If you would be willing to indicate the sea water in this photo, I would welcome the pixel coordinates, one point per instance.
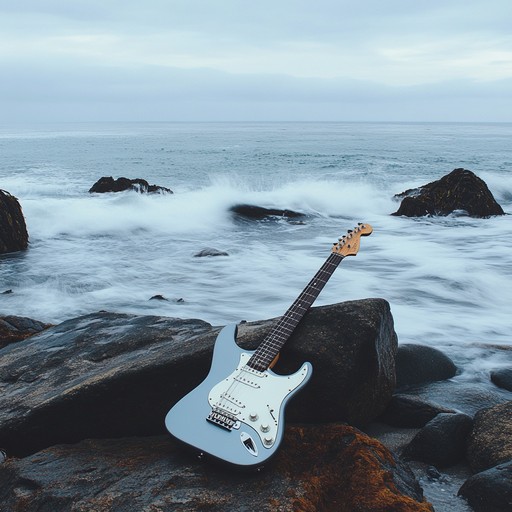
(448, 279)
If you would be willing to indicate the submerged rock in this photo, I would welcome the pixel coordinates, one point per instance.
(108, 184)
(13, 229)
(112, 375)
(250, 211)
(209, 251)
(321, 468)
(459, 190)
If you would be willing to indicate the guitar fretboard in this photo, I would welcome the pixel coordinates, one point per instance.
(274, 341)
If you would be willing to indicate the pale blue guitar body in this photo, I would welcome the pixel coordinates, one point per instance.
(236, 414)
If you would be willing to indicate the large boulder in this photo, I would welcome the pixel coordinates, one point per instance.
(13, 230)
(459, 190)
(490, 441)
(327, 468)
(112, 375)
(109, 184)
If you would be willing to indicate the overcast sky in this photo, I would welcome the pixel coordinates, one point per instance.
(222, 60)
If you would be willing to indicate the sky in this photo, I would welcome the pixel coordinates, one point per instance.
(265, 60)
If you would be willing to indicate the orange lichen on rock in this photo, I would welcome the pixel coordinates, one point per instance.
(341, 469)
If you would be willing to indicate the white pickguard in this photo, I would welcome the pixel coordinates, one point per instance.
(255, 398)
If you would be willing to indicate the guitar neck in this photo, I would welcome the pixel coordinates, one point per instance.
(274, 341)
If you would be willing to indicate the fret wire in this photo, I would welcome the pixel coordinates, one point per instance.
(271, 345)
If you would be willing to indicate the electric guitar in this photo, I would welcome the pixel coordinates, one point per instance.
(237, 413)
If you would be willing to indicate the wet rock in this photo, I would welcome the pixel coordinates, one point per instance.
(460, 190)
(250, 211)
(109, 184)
(442, 441)
(13, 230)
(502, 378)
(408, 411)
(490, 490)
(210, 252)
(158, 297)
(327, 468)
(17, 328)
(463, 396)
(112, 375)
(416, 364)
(490, 441)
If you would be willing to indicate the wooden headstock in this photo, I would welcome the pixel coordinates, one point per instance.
(348, 245)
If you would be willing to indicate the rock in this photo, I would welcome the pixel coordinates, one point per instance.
(327, 468)
(250, 211)
(210, 252)
(7, 292)
(461, 395)
(108, 184)
(490, 441)
(459, 190)
(442, 441)
(408, 411)
(502, 378)
(158, 297)
(16, 328)
(416, 364)
(490, 490)
(13, 230)
(112, 375)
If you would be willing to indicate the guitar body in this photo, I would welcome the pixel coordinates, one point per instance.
(237, 413)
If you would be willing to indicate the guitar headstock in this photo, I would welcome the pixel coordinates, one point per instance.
(348, 245)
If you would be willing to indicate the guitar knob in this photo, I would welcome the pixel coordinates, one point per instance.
(267, 440)
(265, 427)
(253, 416)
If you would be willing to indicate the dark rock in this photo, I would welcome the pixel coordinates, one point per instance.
(490, 441)
(210, 252)
(157, 297)
(490, 490)
(250, 211)
(463, 396)
(408, 411)
(108, 184)
(442, 441)
(327, 468)
(17, 328)
(13, 230)
(7, 292)
(459, 190)
(416, 364)
(113, 375)
(502, 378)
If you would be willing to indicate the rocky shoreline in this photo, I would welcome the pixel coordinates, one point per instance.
(83, 402)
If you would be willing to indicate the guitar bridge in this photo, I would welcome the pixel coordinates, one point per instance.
(221, 419)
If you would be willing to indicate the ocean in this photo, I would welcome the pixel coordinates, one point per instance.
(448, 279)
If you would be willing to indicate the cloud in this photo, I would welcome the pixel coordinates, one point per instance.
(287, 58)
